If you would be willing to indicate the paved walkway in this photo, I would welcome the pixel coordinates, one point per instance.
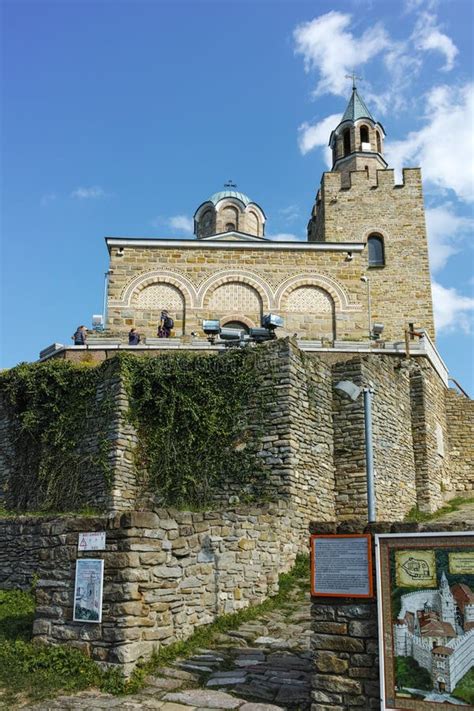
(264, 665)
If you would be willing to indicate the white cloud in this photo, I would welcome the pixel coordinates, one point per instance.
(93, 193)
(428, 36)
(285, 237)
(316, 135)
(47, 199)
(290, 213)
(183, 223)
(444, 147)
(445, 233)
(330, 49)
(452, 310)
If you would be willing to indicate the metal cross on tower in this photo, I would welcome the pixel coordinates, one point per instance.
(230, 184)
(353, 76)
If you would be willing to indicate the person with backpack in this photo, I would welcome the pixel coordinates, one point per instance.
(80, 336)
(165, 325)
(133, 337)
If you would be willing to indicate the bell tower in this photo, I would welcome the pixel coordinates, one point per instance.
(357, 141)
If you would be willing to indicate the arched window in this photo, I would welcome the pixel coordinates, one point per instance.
(230, 227)
(364, 134)
(379, 143)
(376, 251)
(346, 137)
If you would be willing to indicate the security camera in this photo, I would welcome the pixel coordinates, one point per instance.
(364, 278)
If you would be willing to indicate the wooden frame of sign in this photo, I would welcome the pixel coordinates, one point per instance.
(353, 576)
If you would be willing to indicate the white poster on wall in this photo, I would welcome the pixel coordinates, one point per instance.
(88, 590)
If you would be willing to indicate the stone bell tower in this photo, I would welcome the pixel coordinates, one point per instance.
(357, 141)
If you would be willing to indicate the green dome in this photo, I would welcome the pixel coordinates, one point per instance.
(230, 194)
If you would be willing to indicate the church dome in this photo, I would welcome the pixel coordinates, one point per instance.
(229, 211)
(223, 194)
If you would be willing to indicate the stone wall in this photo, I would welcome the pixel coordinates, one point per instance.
(106, 426)
(166, 572)
(430, 437)
(395, 474)
(460, 424)
(345, 633)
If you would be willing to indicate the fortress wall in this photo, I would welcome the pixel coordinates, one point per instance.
(430, 437)
(460, 423)
(105, 423)
(395, 479)
(165, 572)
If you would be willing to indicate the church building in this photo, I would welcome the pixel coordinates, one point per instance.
(362, 224)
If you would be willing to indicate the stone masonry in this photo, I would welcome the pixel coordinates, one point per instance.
(311, 440)
(166, 572)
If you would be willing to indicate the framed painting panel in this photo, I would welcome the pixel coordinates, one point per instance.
(425, 598)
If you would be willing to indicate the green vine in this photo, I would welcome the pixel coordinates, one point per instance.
(198, 420)
(53, 414)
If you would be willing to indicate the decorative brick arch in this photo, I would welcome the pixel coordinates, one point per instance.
(237, 276)
(179, 281)
(335, 290)
(237, 317)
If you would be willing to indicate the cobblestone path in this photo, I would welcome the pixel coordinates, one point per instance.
(264, 665)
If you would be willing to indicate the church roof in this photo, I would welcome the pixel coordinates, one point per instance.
(356, 108)
(230, 194)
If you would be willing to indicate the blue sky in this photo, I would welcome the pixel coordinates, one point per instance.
(120, 118)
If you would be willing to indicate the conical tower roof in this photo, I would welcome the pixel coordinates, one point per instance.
(356, 108)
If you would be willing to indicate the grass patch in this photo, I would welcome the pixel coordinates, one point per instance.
(35, 671)
(31, 671)
(465, 688)
(453, 505)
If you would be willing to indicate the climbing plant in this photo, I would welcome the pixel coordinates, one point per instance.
(52, 411)
(197, 419)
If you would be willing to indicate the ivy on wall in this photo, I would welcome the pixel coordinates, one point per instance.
(198, 420)
(53, 414)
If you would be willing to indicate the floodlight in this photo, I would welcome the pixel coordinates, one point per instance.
(272, 321)
(231, 334)
(348, 389)
(211, 327)
(258, 335)
(377, 329)
(97, 320)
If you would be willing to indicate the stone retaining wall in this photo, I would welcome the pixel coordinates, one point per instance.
(460, 419)
(166, 572)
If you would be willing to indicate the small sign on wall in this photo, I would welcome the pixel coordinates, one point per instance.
(341, 565)
(88, 590)
(94, 541)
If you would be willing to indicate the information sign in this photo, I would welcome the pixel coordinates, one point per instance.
(94, 541)
(341, 565)
(88, 590)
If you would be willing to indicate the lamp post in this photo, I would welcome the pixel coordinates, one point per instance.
(352, 391)
(366, 280)
(104, 308)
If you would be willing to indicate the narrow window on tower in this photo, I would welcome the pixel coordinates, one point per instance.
(346, 137)
(364, 136)
(376, 251)
(379, 144)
